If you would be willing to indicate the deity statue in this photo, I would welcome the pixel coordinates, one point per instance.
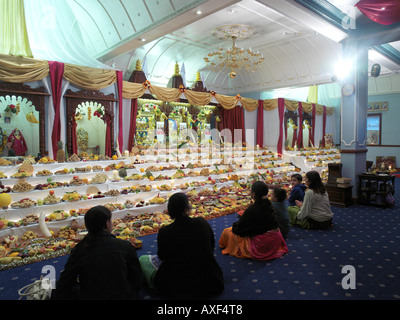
(17, 143)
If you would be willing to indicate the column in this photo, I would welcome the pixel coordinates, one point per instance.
(353, 142)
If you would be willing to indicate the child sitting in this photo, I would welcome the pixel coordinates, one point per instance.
(298, 189)
(278, 198)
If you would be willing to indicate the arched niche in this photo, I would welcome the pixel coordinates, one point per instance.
(30, 100)
(291, 127)
(74, 100)
(307, 127)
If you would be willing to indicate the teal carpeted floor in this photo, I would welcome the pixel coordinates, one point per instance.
(366, 238)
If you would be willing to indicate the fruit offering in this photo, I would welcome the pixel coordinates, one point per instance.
(71, 196)
(46, 160)
(44, 173)
(99, 178)
(58, 215)
(23, 203)
(51, 198)
(22, 187)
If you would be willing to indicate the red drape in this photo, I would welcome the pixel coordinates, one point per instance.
(233, 119)
(73, 137)
(311, 136)
(56, 77)
(132, 128)
(300, 125)
(260, 124)
(381, 11)
(281, 110)
(120, 116)
(323, 126)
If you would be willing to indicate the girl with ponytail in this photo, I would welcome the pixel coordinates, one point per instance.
(256, 234)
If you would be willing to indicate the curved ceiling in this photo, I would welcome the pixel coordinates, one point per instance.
(300, 47)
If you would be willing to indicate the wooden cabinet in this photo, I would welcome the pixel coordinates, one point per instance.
(374, 188)
(339, 196)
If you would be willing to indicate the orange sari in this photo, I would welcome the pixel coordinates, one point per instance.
(234, 245)
(266, 246)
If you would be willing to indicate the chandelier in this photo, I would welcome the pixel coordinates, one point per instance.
(233, 59)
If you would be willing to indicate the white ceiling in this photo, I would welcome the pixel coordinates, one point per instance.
(299, 46)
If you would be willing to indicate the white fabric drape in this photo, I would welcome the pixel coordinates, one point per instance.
(53, 32)
(250, 123)
(50, 115)
(271, 128)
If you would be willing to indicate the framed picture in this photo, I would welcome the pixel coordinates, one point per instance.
(386, 162)
(378, 106)
(374, 128)
(384, 106)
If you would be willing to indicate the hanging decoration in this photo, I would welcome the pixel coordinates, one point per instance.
(13, 108)
(234, 59)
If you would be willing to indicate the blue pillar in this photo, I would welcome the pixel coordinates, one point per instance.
(353, 142)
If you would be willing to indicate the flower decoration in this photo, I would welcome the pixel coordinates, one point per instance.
(147, 84)
(13, 108)
(89, 113)
(238, 97)
(99, 112)
(182, 88)
(213, 93)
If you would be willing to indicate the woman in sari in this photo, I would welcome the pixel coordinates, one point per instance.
(185, 266)
(256, 234)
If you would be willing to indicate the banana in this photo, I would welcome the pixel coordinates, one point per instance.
(31, 117)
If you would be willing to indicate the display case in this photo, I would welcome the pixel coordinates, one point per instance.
(374, 189)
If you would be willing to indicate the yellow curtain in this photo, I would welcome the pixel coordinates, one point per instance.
(13, 35)
(132, 90)
(249, 104)
(291, 105)
(198, 98)
(227, 102)
(313, 94)
(22, 69)
(165, 94)
(270, 104)
(89, 78)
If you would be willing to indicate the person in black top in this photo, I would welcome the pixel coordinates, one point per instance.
(259, 217)
(100, 266)
(185, 266)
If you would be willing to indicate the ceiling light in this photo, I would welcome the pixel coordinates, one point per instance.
(233, 11)
(199, 12)
(142, 39)
(233, 59)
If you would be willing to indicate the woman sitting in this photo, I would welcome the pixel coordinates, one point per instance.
(185, 266)
(256, 234)
(315, 212)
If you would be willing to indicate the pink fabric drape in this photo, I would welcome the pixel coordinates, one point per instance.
(132, 128)
(311, 136)
(260, 124)
(281, 110)
(267, 246)
(56, 77)
(233, 119)
(323, 125)
(120, 116)
(300, 125)
(380, 11)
